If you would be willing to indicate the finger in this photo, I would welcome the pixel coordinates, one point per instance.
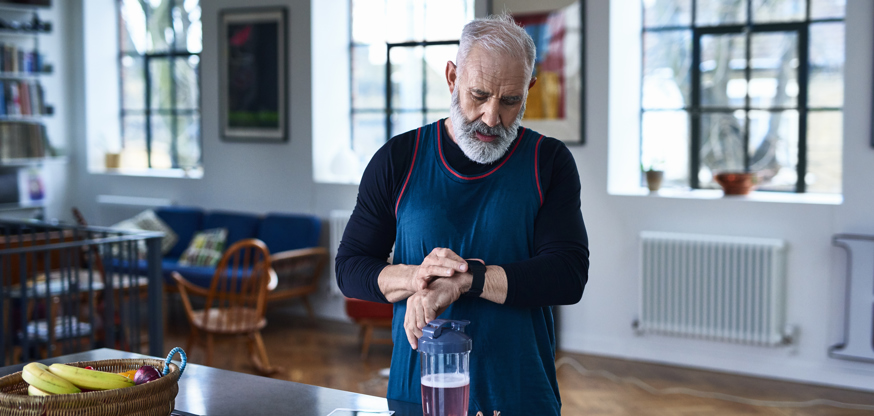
(453, 260)
(409, 324)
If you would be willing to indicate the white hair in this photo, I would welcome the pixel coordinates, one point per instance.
(497, 34)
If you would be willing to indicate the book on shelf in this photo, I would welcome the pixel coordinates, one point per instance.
(21, 140)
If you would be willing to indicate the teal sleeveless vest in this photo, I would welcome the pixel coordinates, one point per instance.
(491, 217)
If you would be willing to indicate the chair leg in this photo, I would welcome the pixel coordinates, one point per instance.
(365, 345)
(209, 345)
(193, 338)
(306, 303)
(258, 355)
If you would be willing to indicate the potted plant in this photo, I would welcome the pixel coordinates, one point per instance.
(654, 176)
(736, 183)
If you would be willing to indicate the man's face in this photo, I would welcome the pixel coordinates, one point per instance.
(488, 101)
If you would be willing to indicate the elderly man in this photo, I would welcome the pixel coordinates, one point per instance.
(485, 218)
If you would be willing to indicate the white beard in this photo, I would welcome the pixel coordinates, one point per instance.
(474, 148)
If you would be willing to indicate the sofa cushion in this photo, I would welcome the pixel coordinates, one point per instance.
(239, 225)
(206, 248)
(282, 232)
(148, 221)
(184, 221)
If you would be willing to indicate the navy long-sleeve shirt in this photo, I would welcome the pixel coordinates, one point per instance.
(557, 272)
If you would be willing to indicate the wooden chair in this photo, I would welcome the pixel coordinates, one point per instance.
(295, 273)
(369, 316)
(234, 302)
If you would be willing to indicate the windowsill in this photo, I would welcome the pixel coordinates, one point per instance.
(760, 196)
(152, 173)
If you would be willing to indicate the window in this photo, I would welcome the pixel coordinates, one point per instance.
(734, 85)
(418, 37)
(160, 43)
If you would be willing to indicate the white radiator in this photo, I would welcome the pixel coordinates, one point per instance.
(338, 220)
(714, 287)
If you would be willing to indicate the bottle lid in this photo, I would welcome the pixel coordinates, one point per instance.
(444, 336)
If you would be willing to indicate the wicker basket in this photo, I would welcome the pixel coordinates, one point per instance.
(150, 399)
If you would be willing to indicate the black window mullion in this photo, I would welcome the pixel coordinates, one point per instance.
(748, 76)
(388, 91)
(147, 66)
(174, 153)
(695, 113)
(803, 77)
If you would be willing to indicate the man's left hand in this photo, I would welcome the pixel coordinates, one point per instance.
(425, 305)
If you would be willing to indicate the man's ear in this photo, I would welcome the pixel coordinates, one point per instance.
(451, 75)
(531, 84)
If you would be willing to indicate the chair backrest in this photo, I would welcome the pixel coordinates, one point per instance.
(239, 287)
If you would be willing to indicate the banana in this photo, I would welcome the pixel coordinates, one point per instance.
(37, 375)
(33, 391)
(90, 379)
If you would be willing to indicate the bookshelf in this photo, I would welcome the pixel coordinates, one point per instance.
(24, 143)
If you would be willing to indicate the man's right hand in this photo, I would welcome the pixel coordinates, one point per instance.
(442, 262)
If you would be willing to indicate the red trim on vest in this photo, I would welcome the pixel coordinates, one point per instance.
(537, 169)
(410, 173)
(442, 159)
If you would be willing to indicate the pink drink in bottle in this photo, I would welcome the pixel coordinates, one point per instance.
(444, 354)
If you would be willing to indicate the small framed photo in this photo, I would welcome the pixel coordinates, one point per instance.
(252, 75)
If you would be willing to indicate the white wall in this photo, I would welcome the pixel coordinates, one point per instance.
(278, 177)
(601, 322)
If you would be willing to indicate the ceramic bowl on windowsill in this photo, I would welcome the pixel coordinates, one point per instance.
(736, 183)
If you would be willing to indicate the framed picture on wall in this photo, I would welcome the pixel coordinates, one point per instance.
(252, 75)
(556, 103)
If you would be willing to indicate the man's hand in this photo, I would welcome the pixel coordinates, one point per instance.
(442, 262)
(425, 305)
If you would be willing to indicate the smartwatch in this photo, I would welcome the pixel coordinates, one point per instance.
(478, 270)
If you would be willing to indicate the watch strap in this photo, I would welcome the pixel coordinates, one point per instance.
(478, 270)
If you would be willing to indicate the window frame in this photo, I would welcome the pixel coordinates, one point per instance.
(694, 109)
(171, 55)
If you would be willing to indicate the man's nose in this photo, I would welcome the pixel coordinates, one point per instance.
(491, 115)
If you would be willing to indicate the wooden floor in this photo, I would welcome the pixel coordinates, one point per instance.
(326, 354)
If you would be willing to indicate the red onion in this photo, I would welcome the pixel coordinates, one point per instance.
(146, 374)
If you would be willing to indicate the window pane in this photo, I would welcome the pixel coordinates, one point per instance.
(774, 149)
(822, 9)
(665, 145)
(134, 152)
(186, 25)
(444, 19)
(133, 27)
(188, 141)
(404, 122)
(667, 57)
(162, 129)
(405, 20)
(720, 12)
(133, 83)
(368, 77)
(824, 148)
(778, 10)
(160, 27)
(432, 116)
(368, 134)
(368, 21)
(667, 13)
(723, 80)
(774, 63)
(187, 89)
(826, 65)
(438, 97)
(722, 145)
(161, 83)
(406, 78)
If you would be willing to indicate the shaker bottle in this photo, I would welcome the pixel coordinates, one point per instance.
(444, 351)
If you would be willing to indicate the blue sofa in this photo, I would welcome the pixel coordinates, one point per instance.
(280, 232)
